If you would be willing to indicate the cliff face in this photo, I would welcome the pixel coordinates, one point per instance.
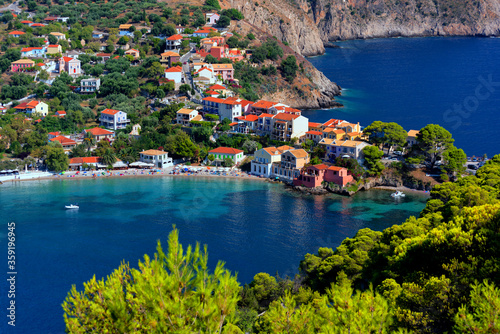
(306, 24)
(349, 19)
(284, 20)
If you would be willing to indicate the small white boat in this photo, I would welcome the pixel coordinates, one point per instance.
(72, 206)
(398, 194)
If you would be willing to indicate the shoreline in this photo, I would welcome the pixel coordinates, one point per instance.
(402, 188)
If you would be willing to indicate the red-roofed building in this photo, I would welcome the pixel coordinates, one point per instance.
(16, 33)
(60, 113)
(313, 176)
(100, 134)
(33, 52)
(70, 65)
(174, 74)
(229, 108)
(315, 126)
(314, 135)
(105, 56)
(66, 142)
(53, 49)
(212, 93)
(221, 153)
(52, 135)
(261, 107)
(38, 25)
(113, 119)
(133, 52)
(33, 107)
(77, 163)
(174, 42)
(27, 22)
(247, 124)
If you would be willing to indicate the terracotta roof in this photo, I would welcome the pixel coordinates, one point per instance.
(38, 25)
(197, 118)
(26, 21)
(53, 45)
(99, 132)
(222, 66)
(286, 117)
(175, 69)
(153, 152)
(57, 133)
(332, 122)
(57, 34)
(272, 150)
(413, 133)
(110, 111)
(131, 51)
(299, 153)
(61, 112)
(213, 99)
(185, 111)
(203, 68)
(266, 115)
(250, 118)
(211, 92)
(226, 150)
(285, 148)
(215, 87)
(23, 61)
(346, 143)
(84, 160)
(317, 133)
(64, 140)
(335, 168)
(16, 32)
(67, 59)
(314, 124)
(175, 37)
(233, 124)
(320, 166)
(170, 53)
(263, 104)
(103, 54)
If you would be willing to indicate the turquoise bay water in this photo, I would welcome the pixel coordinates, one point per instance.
(453, 82)
(252, 226)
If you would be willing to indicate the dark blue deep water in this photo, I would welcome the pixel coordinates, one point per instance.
(453, 82)
(253, 226)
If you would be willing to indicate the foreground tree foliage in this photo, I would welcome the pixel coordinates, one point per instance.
(172, 293)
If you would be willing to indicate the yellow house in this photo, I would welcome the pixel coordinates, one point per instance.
(332, 133)
(54, 49)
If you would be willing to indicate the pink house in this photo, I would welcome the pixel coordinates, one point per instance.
(21, 64)
(70, 65)
(226, 71)
(313, 176)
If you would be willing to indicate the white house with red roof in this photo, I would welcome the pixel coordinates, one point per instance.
(113, 119)
(206, 72)
(16, 33)
(247, 123)
(100, 134)
(52, 135)
(221, 153)
(283, 127)
(262, 107)
(133, 52)
(66, 142)
(174, 73)
(33, 107)
(3, 110)
(33, 52)
(263, 160)
(60, 113)
(314, 135)
(71, 65)
(173, 42)
(230, 107)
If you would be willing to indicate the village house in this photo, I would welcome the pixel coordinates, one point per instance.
(79, 163)
(105, 57)
(220, 89)
(33, 108)
(124, 30)
(283, 127)
(58, 35)
(313, 176)
(246, 124)
(70, 65)
(343, 148)
(16, 33)
(136, 131)
(225, 71)
(315, 126)
(174, 73)
(159, 158)
(412, 137)
(290, 164)
(221, 153)
(89, 86)
(212, 18)
(53, 49)
(204, 31)
(27, 22)
(37, 25)
(60, 113)
(21, 65)
(169, 57)
(331, 123)
(66, 142)
(198, 65)
(263, 107)
(113, 119)
(332, 133)
(263, 160)
(230, 108)
(206, 72)
(33, 52)
(315, 136)
(173, 42)
(133, 52)
(97, 34)
(52, 135)
(99, 134)
(184, 116)
(179, 29)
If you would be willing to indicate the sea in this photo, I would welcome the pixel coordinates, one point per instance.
(251, 225)
(450, 81)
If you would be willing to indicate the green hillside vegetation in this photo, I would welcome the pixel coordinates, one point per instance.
(435, 273)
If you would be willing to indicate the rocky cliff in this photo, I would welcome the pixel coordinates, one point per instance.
(306, 24)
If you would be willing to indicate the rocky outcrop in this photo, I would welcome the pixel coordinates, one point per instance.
(350, 19)
(287, 22)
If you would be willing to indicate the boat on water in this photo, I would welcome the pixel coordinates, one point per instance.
(398, 194)
(72, 206)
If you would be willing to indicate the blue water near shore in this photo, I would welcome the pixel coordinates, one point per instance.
(417, 81)
(252, 226)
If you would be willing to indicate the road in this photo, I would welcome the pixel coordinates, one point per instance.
(187, 70)
(12, 7)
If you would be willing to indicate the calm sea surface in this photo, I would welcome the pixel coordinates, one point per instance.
(453, 82)
(252, 226)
